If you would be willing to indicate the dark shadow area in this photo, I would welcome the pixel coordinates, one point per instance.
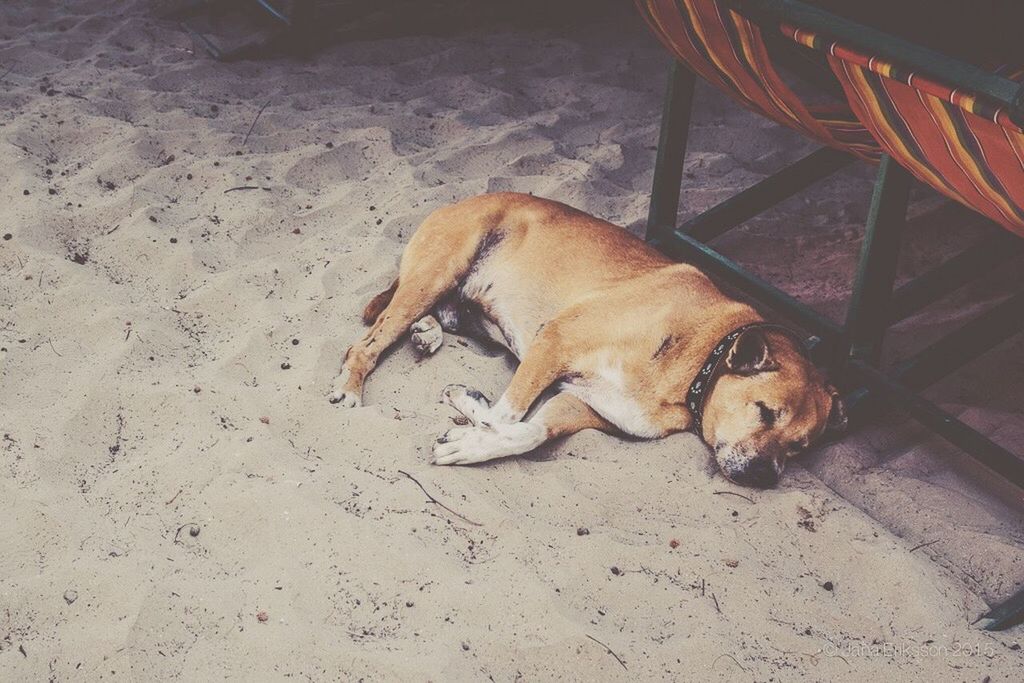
(252, 29)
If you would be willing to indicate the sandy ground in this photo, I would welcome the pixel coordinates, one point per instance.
(178, 499)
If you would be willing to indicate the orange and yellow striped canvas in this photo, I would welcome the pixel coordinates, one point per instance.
(729, 52)
(957, 142)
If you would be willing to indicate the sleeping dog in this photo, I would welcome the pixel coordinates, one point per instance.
(630, 341)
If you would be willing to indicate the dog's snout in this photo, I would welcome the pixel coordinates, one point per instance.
(761, 473)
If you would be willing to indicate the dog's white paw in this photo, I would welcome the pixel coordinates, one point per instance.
(465, 446)
(345, 399)
(468, 445)
(469, 402)
(342, 395)
(427, 336)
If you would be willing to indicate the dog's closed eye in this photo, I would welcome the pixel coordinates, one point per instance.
(767, 414)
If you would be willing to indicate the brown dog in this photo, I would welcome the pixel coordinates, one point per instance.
(619, 330)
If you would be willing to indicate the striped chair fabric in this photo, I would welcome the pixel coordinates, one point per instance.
(729, 52)
(956, 142)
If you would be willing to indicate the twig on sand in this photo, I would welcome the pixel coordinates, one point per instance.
(9, 69)
(174, 498)
(241, 187)
(730, 657)
(435, 501)
(925, 545)
(731, 493)
(249, 132)
(609, 650)
(53, 349)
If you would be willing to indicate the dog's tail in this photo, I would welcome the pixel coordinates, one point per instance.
(378, 304)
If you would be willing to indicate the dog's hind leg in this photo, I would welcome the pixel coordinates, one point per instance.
(417, 291)
(437, 257)
(561, 415)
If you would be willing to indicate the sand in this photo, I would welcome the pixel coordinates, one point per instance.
(179, 500)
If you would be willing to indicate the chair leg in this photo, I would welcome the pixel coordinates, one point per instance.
(668, 173)
(668, 168)
(878, 386)
(868, 315)
(1008, 613)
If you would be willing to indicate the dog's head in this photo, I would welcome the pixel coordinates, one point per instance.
(768, 404)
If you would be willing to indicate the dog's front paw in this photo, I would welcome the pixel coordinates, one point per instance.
(342, 394)
(464, 446)
(427, 336)
(469, 402)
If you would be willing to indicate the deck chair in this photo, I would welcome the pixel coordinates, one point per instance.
(917, 113)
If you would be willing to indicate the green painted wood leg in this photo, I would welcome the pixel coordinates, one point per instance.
(668, 167)
(970, 441)
(1008, 613)
(868, 315)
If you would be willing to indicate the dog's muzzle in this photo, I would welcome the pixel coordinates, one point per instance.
(759, 472)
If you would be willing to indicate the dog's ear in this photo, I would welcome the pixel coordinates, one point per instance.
(750, 355)
(837, 421)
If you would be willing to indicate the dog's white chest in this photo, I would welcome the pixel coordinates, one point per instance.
(606, 392)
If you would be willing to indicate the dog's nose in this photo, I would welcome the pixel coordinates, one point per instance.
(760, 473)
